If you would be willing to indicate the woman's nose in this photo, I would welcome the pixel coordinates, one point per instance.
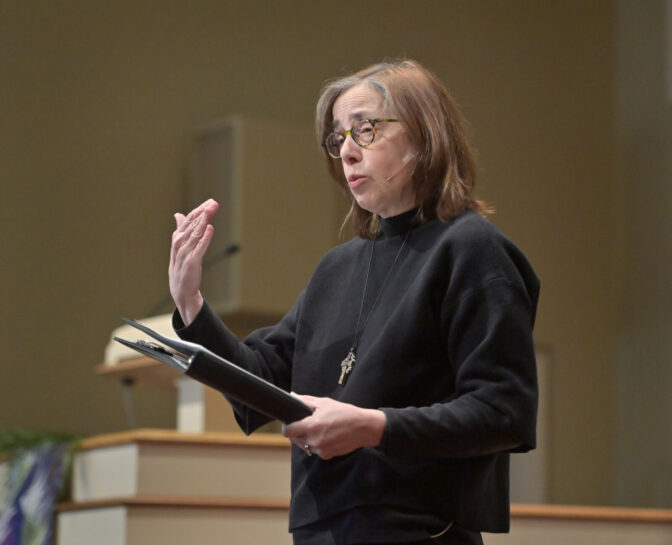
(350, 151)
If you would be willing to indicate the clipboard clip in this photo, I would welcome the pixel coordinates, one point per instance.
(179, 357)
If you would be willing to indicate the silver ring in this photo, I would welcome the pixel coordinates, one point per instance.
(306, 447)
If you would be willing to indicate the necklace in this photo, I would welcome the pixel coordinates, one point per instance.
(349, 362)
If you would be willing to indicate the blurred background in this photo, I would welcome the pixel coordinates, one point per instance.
(569, 109)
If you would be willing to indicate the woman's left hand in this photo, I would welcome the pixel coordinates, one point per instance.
(335, 428)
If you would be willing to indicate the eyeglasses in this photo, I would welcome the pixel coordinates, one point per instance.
(363, 133)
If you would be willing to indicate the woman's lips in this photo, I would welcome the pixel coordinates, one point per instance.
(355, 180)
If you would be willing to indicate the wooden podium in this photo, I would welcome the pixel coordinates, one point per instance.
(163, 486)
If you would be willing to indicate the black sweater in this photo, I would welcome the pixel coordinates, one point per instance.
(447, 354)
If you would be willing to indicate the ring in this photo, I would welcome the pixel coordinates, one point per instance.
(306, 447)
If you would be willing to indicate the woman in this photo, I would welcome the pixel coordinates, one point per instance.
(413, 341)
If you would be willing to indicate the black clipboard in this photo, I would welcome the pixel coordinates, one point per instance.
(201, 364)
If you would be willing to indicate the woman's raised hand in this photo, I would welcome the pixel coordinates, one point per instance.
(190, 241)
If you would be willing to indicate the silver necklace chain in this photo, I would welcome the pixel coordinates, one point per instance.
(350, 360)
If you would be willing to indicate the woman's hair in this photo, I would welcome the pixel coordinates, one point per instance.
(445, 169)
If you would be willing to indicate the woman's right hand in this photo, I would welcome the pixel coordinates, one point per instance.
(190, 241)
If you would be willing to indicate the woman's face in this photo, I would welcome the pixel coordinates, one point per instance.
(379, 175)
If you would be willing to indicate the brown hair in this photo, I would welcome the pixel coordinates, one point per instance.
(445, 172)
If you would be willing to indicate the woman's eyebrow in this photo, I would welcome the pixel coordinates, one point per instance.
(353, 116)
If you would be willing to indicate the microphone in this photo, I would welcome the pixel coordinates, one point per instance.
(404, 161)
(230, 250)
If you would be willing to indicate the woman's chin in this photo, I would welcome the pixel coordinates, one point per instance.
(366, 204)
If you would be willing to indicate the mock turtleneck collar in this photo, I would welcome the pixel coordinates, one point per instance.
(398, 225)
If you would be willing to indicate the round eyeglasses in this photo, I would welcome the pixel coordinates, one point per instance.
(363, 133)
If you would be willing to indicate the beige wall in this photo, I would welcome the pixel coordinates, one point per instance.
(643, 344)
(97, 104)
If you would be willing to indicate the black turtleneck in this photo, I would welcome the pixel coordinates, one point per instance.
(446, 352)
(399, 224)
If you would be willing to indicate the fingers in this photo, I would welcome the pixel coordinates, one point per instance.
(199, 216)
(191, 230)
(296, 429)
(299, 441)
(304, 433)
(297, 432)
(312, 401)
(204, 241)
(206, 208)
(303, 444)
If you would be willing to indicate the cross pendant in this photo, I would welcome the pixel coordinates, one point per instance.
(346, 367)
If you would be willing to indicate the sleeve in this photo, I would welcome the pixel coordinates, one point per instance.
(488, 331)
(266, 352)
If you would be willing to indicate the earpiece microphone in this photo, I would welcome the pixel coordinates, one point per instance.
(404, 161)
